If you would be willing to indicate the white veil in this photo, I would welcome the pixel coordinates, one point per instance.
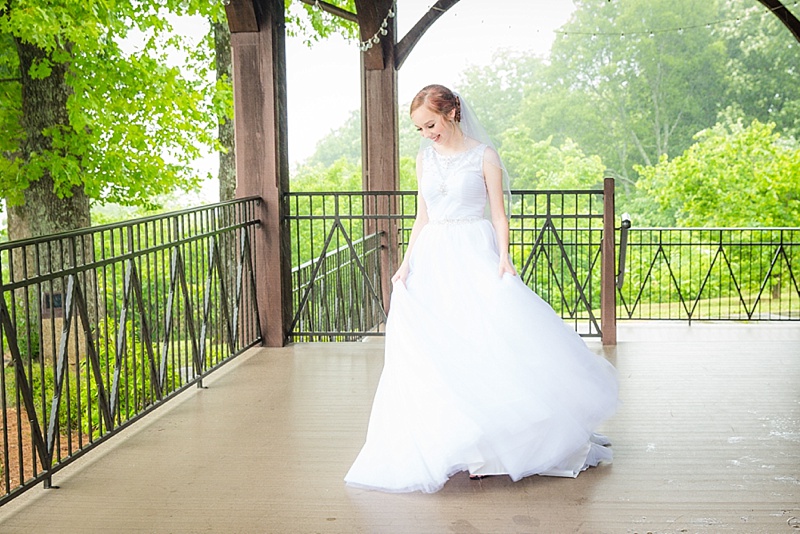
(471, 127)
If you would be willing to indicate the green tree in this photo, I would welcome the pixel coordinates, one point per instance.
(314, 24)
(223, 63)
(541, 165)
(629, 92)
(92, 121)
(496, 91)
(343, 142)
(732, 176)
(341, 175)
(756, 40)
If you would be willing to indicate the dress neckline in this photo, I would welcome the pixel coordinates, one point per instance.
(456, 154)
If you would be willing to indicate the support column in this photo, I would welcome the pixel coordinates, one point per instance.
(262, 168)
(608, 287)
(379, 128)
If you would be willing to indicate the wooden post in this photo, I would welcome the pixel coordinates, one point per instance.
(379, 126)
(262, 164)
(608, 288)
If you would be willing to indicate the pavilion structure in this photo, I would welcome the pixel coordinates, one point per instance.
(258, 41)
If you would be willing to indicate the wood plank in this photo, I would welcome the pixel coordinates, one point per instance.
(241, 15)
(707, 439)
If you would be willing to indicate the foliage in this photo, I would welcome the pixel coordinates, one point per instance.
(313, 24)
(612, 99)
(343, 142)
(342, 175)
(309, 235)
(625, 93)
(136, 118)
(733, 176)
(540, 165)
(79, 409)
(769, 95)
(23, 315)
(496, 91)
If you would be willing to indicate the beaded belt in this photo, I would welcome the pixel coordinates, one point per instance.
(462, 220)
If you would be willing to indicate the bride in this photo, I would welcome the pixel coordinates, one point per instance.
(480, 374)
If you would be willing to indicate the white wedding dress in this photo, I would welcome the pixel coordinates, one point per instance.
(480, 374)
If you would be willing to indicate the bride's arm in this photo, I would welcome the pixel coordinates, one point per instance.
(493, 173)
(419, 222)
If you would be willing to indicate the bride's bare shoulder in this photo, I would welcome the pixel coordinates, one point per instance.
(490, 155)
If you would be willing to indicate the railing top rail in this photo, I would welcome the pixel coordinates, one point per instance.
(557, 192)
(334, 252)
(414, 192)
(715, 228)
(131, 222)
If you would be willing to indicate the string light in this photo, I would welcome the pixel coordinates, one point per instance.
(383, 30)
(652, 33)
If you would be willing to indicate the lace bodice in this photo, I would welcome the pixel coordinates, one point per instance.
(454, 186)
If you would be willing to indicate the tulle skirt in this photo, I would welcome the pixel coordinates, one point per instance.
(479, 375)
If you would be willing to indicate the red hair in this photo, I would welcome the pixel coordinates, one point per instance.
(438, 98)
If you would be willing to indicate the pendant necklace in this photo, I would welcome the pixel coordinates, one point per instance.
(446, 166)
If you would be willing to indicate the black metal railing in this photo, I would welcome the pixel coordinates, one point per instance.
(555, 241)
(345, 246)
(711, 274)
(339, 293)
(341, 258)
(102, 325)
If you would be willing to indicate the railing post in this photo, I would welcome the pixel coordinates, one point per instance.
(608, 290)
(389, 260)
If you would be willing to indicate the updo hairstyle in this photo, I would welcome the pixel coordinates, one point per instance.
(440, 99)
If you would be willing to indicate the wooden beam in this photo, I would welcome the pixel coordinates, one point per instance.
(787, 17)
(241, 16)
(370, 16)
(407, 43)
(333, 10)
(262, 168)
(379, 127)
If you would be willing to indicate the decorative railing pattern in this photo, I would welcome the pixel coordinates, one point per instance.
(345, 245)
(338, 293)
(102, 325)
(340, 258)
(555, 241)
(711, 274)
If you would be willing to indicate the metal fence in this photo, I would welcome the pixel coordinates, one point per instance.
(337, 293)
(555, 241)
(711, 274)
(345, 246)
(100, 326)
(341, 257)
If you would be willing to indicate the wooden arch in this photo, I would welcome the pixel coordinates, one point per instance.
(258, 41)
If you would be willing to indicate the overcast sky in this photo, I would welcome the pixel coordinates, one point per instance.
(323, 81)
(324, 84)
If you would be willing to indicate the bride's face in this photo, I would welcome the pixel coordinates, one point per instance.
(432, 125)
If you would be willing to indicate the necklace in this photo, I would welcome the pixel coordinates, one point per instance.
(446, 164)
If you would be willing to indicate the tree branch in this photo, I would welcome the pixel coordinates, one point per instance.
(2, 80)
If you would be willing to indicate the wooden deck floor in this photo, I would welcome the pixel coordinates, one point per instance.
(707, 440)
